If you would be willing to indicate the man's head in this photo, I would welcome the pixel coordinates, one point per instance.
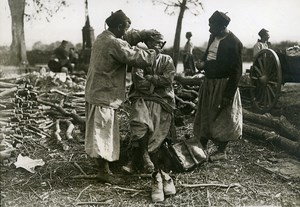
(118, 23)
(64, 43)
(218, 23)
(156, 41)
(264, 35)
(188, 35)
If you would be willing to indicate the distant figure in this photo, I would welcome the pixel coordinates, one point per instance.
(262, 43)
(188, 59)
(61, 61)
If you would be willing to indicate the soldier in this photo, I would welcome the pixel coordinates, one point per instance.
(219, 112)
(105, 87)
(263, 42)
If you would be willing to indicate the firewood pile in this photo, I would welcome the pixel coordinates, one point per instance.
(29, 114)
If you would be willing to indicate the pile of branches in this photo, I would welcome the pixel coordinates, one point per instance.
(31, 113)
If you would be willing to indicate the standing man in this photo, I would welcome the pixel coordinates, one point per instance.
(263, 42)
(105, 87)
(188, 58)
(219, 113)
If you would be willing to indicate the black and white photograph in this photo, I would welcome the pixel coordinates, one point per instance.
(149, 103)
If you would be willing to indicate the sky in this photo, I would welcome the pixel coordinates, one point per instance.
(280, 17)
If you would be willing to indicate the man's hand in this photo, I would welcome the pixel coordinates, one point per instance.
(157, 50)
(200, 65)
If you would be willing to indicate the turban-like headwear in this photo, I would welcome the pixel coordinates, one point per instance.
(117, 18)
(262, 32)
(219, 18)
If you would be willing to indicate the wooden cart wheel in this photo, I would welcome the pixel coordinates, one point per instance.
(266, 79)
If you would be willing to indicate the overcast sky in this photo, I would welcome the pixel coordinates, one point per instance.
(280, 17)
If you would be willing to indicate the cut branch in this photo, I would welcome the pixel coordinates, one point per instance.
(77, 119)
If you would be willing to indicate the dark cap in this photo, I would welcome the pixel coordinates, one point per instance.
(262, 32)
(220, 18)
(188, 34)
(117, 18)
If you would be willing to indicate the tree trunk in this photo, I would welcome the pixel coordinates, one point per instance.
(176, 46)
(18, 47)
(281, 124)
(287, 145)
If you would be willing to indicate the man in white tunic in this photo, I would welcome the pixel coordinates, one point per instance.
(105, 86)
(262, 43)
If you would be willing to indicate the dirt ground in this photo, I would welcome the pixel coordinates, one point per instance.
(246, 182)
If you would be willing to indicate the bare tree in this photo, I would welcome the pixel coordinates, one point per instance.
(194, 6)
(18, 15)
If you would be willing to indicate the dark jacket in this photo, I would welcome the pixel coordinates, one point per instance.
(62, 54)
(228, 63)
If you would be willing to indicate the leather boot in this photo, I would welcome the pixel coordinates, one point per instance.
(148, 164)
(103, 166)
(220, 154)
(157, 193)
(204, 142)
(168, 184)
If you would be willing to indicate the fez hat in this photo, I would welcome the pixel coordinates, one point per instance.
(117, 18)
(262, 32)
(220, 18)
(188, 34)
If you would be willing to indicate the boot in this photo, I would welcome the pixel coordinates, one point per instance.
(129, 168)
(148, 164)
(204, 142)
(106, 168)
(220, 154)
(103, 166)
(168, 184)
(157, 193)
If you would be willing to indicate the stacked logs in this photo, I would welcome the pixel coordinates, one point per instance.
(26, 116)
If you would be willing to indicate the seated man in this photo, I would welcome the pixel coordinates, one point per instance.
(61, 61)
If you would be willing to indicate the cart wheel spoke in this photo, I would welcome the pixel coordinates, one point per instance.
(262, 95)
(256, 69)
(270, 98)
(272, 82)
(261, 65)
(271, 91)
